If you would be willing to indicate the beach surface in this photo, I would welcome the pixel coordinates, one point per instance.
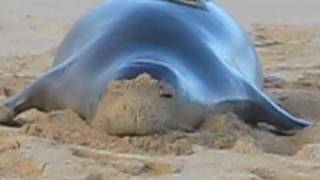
(60, 145)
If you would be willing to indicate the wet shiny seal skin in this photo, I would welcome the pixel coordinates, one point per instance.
(195, 47)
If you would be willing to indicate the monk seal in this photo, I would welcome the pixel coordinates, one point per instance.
(195, 47)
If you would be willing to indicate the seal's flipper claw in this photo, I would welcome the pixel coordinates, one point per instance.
(6, 116)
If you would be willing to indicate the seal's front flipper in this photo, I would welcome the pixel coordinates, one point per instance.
(6, 116)
(35, 95)
(17, 104)
(265, 110)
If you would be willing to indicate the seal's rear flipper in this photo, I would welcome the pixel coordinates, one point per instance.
(265, 110)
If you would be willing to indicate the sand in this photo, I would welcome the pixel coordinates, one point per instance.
(140, 106)
(60, 145)
(294, 12)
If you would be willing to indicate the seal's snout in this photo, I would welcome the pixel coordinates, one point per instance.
(136, 107)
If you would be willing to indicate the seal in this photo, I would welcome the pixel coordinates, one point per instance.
(195, 47)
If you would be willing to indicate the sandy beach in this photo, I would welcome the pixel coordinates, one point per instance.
(61, 146)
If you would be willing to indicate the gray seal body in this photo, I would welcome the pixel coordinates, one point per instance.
(197, 48)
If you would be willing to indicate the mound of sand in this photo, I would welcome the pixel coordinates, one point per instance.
(136, 107)
(144, 106)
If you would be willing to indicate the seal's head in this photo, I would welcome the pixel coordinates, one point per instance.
(136, 107)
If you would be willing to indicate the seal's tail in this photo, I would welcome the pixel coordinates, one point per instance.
(268, 111)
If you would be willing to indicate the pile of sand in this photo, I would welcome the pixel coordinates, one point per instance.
(136, 107)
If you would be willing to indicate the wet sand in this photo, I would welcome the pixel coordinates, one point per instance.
(60, 145)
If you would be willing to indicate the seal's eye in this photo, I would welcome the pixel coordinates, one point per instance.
(192, 3)
(166, 95)
(165, 91)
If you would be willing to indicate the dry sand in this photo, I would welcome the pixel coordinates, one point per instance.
(59, 145)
